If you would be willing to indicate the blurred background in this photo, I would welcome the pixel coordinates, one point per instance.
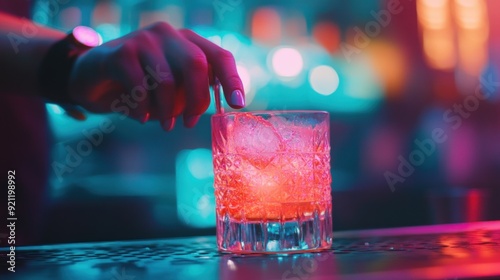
(412, 88)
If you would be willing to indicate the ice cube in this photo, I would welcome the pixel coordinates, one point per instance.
(297, 136)
(256, 139)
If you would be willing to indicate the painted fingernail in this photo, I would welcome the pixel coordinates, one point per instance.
(145, 118)
(237, 99)
(191, 121)
(168, 124)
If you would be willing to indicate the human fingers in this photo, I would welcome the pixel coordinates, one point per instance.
(129, 73)
(190, 68)
(224, 67)
(193, 69)
(161, 84)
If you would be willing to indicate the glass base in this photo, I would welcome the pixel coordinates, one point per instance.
(305, 234)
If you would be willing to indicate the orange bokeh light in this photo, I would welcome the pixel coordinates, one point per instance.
(266, 26)
(327, 34)
(454, 32)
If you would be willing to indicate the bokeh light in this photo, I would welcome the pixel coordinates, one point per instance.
(194, 188)
(231, 42)
(390, 65)
(470, 14)
(70, 17)
(172, 14)
(327, 34)
(199, 163)
(435, 22)
(106, 12)
(216, 39)
(108, 31)
(472, 21)
(324, 79)
(287, 62)
(245, 77)
(434, 14)
(55, 109)
(266, 26)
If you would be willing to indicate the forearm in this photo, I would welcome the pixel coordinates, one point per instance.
(23, 45)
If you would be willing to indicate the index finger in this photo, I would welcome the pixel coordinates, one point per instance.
(223, 66)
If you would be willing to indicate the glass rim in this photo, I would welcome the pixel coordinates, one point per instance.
(276, 112)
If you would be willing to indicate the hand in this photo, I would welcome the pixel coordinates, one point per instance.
(155, 73)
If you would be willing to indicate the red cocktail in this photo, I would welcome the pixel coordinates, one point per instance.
(272, 181)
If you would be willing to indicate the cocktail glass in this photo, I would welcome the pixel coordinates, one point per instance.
(272, 181)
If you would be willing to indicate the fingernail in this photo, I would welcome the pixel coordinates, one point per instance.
(191, 121)
(237, 99)
(168, 124)
(145, 118)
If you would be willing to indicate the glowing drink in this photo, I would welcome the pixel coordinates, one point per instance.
(272, 181)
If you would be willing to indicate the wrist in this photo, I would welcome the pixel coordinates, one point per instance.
(56, 67)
